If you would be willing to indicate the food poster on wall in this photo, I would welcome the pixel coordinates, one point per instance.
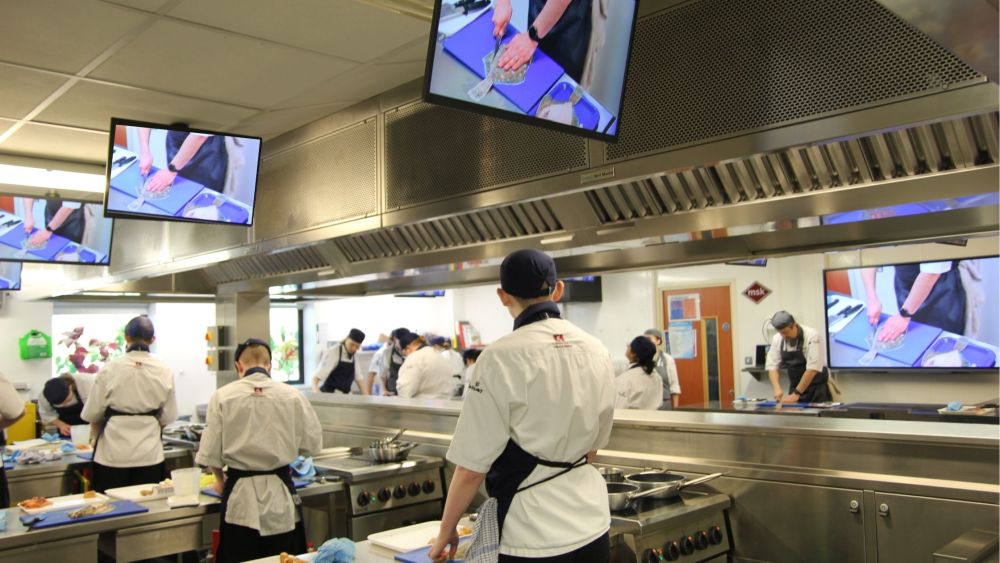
(685, 307)
(683, 340)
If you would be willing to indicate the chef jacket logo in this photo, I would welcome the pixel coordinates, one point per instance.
(475, 386)
(756, 292)
(559, 338)
(258, 391)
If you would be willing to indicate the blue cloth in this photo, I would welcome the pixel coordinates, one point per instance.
(336, 550)
(50, 437)
(67, 448)
(303, 467)
(955, 406)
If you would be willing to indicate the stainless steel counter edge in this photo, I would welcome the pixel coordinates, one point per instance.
(984, 435)
(18, 536)
(70, 460)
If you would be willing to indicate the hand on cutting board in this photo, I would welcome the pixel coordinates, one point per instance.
(501, 17)
(778, 394)
(444, 547)
(145, 162)
(874, 311)
(519, 51)
(62, 426)
(790, 399)
(40, 238)
(29, 224)
(893, 328)
(160, 181)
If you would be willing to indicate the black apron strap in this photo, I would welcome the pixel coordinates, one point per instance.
(341, 376)
(4, 492)
(111, 412)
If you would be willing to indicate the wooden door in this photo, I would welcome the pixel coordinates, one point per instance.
(704, 369)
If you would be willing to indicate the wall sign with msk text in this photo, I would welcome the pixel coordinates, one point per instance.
(757, 292)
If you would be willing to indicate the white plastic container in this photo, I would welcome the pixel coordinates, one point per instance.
(80, 434)
(186, 481)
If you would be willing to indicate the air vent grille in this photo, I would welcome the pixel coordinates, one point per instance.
(266, 265)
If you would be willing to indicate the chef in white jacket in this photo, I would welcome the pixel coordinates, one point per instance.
(255, 427)
(425, 374)
(640, 387)
(539, 405)
(132, 400)
(666, 367)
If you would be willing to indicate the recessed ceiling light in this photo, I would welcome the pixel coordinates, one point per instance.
(51, 179)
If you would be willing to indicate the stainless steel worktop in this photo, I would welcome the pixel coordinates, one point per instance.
(72, 460)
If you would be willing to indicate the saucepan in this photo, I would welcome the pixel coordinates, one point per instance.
(392, 451)
(621, 494)
(612, 474)
(667, 485)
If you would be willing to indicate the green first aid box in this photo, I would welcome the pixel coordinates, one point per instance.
(35, 344)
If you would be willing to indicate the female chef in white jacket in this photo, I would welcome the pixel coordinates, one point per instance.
(639, 387)
(425, 374)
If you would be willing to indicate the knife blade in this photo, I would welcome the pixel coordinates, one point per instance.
(832, 303)
(846, 313)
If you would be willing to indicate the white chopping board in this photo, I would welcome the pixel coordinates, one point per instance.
(65, 503)
(134, 493)
(412, 537)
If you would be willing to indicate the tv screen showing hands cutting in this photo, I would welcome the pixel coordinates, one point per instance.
(933, 315)
(38, 229)
(179, 174)
(10, 276)
(556, 64)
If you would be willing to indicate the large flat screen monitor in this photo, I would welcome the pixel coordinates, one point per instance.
(180, 174)
(39, 229)
(557, 64)
(10, 276)
(933, 316)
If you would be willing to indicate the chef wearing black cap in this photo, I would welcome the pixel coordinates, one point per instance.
(797, 349)
(255, 427)
(540, 403)
(639, 387)
(62, 401)
(336, 368)
(132, 399)
(392, 362)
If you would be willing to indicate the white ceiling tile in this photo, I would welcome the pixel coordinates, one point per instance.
(21, 90)
(92, 105)
(414, 51)
(145, 5)
(272, 123)
(61, 144)
(4, 126)
(62, 36)
(344, 28)
(358, 84)
(185, 59)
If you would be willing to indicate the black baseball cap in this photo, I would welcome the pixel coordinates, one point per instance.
(56, 390)
(248, 343)
(356, 335)
(528, 274)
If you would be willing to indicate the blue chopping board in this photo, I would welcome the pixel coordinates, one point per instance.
(118, 201)
(977, 355)
(61, 518)
(420, 555)
(209, 491)
(87, 256)
(473, 42)
(181, 191)
(229, 212)
(918, 337)
(16, 236)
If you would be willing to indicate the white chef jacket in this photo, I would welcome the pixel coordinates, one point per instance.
(330, 359)
(549, 386)
(453, 357)
(84, 383)
(378, 360)
(258, 424)
(425, 374)
(135, 382)
(636, 389)
(11, 404)
(815, 357)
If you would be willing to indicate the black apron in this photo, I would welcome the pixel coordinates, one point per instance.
(569, 40)
(72, 227)
(208, 166)
(4, 493)
(394, 365)
(71, 414)
(795, 362)
(238, 543)
(341, 376)
(944, 307)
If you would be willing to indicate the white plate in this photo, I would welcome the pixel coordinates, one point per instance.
(134, 494)
(65, 503)
(411, 537)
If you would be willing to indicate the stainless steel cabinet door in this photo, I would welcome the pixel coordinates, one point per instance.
(784, 522)
(910, 528)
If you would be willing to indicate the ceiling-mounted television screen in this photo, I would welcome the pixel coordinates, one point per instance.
(10, 276)
(556, 64)
(174, 173)
(49, 229)
(936, 315)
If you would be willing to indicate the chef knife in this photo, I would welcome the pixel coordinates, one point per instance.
(846, 313)
(832, 303)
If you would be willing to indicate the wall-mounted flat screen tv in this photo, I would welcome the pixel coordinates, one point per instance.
(174, 173)
(10, 276)
(938, 315)
(555, 64)
(48, 229)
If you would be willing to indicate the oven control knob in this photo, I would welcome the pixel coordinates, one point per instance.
(715, 535)
(687, 545)
(701, 540)
(400, 491)
(364, 497)
(414, 489)
(652, 556)
(671, 551)
(429, 486)
(385, 494)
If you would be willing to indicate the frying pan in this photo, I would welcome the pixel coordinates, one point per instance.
(620, 494)
(648, 480)
(612, 474)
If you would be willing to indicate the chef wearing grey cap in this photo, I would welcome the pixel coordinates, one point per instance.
(539, 405)
(797, 349)
(336, 367)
